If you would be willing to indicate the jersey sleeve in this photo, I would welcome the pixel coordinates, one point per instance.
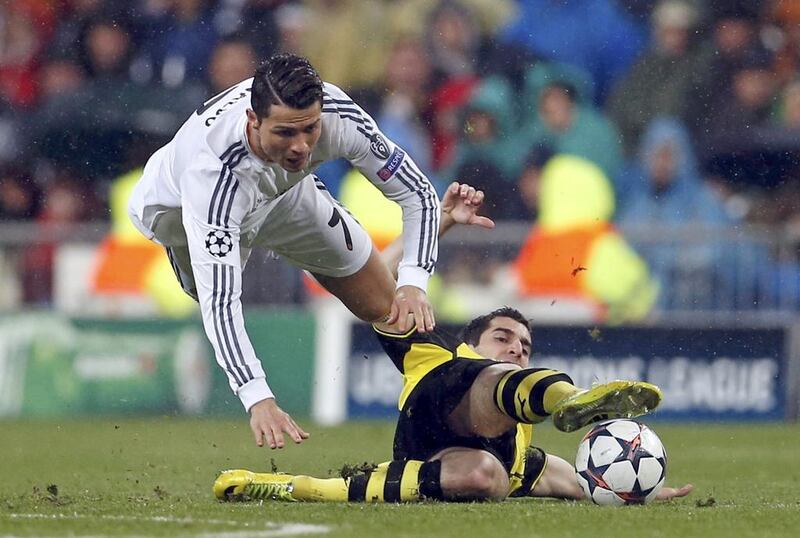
(358, 139)
(213, 206)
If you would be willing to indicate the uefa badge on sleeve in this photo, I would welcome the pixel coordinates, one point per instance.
(219, 243)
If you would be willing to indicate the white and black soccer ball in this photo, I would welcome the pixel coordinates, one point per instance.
(621, 462)
(219, 243)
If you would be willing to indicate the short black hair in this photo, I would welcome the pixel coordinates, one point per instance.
(285, 79)
(471, 334)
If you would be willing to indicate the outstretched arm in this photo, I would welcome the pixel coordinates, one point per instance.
(460, 205)
(559, 481)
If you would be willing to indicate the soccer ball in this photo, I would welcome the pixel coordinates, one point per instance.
(621, 462)
(219, 243)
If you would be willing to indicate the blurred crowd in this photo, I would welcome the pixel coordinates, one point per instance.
(683, 112)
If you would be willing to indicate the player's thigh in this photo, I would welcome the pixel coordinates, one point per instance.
(310, 229)
(477, 413)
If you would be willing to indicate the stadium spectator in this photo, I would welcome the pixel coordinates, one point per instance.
(19, 196)
(574, 259)
(786, 14)
(231, 61)
(253, 21)
(734, 29)
(486, 156)
(405, 104)
(742, 141)
(24, 29)
(178, 39)
(595, 35)
(558, 113)
(349, 42)
(65, 202)
(662, 80)
(73, 19)
(668, 192)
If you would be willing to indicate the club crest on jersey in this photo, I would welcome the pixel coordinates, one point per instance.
(378, 146)
(392, 164)
(219, 243)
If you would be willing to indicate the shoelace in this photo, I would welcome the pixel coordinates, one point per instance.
(266, 490)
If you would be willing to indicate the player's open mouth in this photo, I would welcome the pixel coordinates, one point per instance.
(296, 163)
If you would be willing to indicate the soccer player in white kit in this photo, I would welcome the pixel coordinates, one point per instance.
(239, 174)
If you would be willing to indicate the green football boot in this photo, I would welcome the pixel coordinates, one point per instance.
(242, 485)
(617, 399)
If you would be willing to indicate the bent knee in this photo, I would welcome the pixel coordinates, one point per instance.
(487, 480)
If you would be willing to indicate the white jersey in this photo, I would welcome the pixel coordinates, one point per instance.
(222, 188)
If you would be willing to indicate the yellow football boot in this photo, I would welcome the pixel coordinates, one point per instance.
(617, 399)
(242, 485)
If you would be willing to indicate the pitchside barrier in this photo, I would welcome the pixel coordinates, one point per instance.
(707, 373)
(52, 365)
(326, 365)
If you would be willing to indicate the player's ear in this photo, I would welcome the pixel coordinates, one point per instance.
(255, 123)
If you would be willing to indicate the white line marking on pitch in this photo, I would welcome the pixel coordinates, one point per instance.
(272, 530)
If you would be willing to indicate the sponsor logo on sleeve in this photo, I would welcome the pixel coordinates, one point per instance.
(219, 243)
(392, 164)
(378, 146)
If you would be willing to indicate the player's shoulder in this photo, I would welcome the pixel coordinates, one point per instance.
(219, 123)
(333, 93)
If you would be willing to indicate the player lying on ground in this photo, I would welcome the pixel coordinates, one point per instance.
(239, 175)
(465, 424)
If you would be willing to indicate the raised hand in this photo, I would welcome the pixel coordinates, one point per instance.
(461, 203)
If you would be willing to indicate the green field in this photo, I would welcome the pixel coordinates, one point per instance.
(152, 477)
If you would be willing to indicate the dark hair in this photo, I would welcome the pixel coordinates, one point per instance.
(285, 79)
(471, 334)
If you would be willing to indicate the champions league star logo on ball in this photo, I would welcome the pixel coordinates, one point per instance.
(219, 243)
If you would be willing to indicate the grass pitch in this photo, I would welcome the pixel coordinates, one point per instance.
(152, 477)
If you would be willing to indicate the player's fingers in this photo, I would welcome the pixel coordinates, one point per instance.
(483, 222)
(684, 491)
(421, 318)
(276, 437)
(258, 434)
(470, 195)
(429, 317)
(477, 198)
(300, 431)
(463, 190)
(292, 431)
(453, 187)
(393, 313)
(402, 317)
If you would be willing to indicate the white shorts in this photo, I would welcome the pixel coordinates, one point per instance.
(305, 225)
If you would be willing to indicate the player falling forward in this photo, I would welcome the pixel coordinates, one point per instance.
(239, 175)
(465, 422)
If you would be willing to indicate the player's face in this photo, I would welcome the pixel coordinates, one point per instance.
(287, 136)
(506, 340)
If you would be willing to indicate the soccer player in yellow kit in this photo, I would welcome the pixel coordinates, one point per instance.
(467, 411)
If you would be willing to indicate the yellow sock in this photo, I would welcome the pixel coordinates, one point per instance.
(308, 488)
(394, 481)
(530, 395)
